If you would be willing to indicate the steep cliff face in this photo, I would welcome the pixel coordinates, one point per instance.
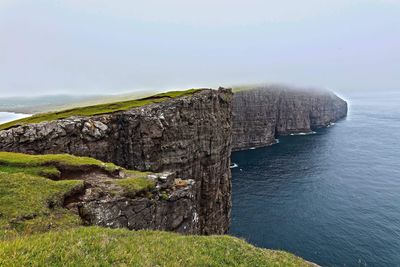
(190, 136)
(263, 113)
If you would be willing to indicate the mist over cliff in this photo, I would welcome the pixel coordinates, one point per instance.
(263, 113)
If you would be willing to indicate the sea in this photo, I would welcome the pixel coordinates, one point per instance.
(10, 116)
(332, 197)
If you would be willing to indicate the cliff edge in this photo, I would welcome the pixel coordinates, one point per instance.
(263, 113)
(42, 196)
(189, 136)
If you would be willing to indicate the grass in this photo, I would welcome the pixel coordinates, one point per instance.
(94, 246)
(136, 182)
(266, 86)
(134, 186)
(31, 204)
(35, 229)
(240, 88)
(11, 162)
(45, 171)
(98, 109)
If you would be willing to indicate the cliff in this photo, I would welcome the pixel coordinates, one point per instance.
(261, 114)
(39, 222)
(189, 136)
(176, 150)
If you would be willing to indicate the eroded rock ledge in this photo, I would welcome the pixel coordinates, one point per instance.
(168, 204)
(189, 136)
(263, 113)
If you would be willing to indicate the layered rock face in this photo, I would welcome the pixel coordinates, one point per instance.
(261, 114)
(169, 206)
(190, 136)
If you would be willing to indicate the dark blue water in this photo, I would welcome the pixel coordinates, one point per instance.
(332, 198)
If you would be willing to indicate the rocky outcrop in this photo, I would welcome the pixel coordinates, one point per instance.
(262, 114)
(190, 136)
(169, 204)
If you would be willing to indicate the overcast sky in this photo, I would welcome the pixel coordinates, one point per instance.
(92, 47)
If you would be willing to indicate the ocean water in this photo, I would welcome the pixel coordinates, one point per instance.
(332, 197)
(10, 116)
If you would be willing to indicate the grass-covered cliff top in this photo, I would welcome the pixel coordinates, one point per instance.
(32, 189)
(98, 109)
(19, 160)
(280, 87)
(94, 246)
(36, 229)
(33, 204)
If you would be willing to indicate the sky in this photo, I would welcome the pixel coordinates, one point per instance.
(111, 47)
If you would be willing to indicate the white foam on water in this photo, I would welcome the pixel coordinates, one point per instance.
(308, 133)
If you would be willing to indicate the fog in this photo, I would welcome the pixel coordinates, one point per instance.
(111, 47)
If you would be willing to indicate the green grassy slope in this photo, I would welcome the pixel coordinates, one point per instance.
(35, 229)
(30, 202)
(98, 109)
(9, 159)
(94, 246)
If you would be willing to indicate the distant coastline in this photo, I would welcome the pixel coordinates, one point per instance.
(10, 116)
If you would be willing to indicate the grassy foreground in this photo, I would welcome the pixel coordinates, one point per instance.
(99, 109)
(30, 202)
(36, 230)
(94, 246)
